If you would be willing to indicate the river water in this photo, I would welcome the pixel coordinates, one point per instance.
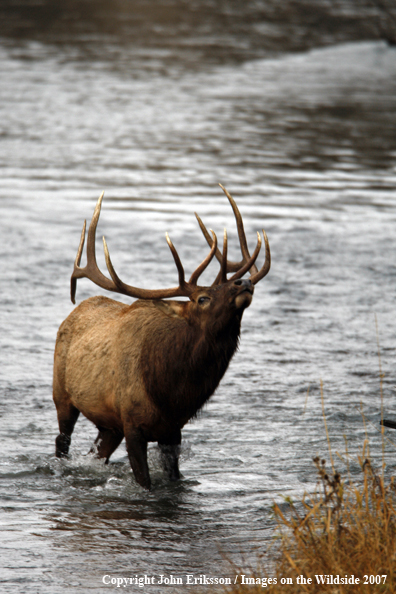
(305, 139)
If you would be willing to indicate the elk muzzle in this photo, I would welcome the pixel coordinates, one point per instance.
(245, 293)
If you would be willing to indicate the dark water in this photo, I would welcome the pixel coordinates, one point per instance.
(302, 130)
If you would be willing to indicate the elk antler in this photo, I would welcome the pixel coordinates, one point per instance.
(92, 272)
(247, 262)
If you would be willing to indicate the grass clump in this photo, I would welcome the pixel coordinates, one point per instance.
(346, 528)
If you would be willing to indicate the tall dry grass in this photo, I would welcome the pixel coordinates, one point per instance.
(346, 528)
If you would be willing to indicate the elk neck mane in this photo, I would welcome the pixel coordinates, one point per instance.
(182, 363)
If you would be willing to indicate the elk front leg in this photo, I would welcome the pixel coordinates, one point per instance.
(170, 451)
(136, 446)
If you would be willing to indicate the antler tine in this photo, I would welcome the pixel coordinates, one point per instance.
(205, 263)
(240, 228)
(120, 286)
(250, 263)
(221, 278)
(73, 280)
(223, 267)
(177, 260)
(91, 269)
(91, 255)
(208, 238)
(231, 266)
(255, 278)
(247, 266)
(183, 290)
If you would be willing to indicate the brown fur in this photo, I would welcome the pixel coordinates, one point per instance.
(143, 370)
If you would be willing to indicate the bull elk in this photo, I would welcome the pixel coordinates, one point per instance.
(141, 371)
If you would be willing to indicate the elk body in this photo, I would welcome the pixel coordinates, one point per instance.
(141, 371)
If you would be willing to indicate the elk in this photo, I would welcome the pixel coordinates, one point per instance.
(141, 371)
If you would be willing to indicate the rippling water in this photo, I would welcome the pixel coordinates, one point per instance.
(306, 143)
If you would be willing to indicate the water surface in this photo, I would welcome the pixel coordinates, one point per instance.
(306, 143)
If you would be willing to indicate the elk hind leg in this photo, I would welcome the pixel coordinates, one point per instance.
(106, 443)
(170, 451)
(67, 418)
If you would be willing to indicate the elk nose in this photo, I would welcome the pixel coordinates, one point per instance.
(246, 282)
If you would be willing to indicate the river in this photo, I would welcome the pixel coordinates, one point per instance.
(302, 131)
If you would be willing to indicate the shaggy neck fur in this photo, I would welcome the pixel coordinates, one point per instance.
(183, 367)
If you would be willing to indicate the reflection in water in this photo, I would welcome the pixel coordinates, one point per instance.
(307, 144)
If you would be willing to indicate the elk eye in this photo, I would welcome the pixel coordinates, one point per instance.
(203, 300)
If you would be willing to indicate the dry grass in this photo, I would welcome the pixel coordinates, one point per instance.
(346, 528)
